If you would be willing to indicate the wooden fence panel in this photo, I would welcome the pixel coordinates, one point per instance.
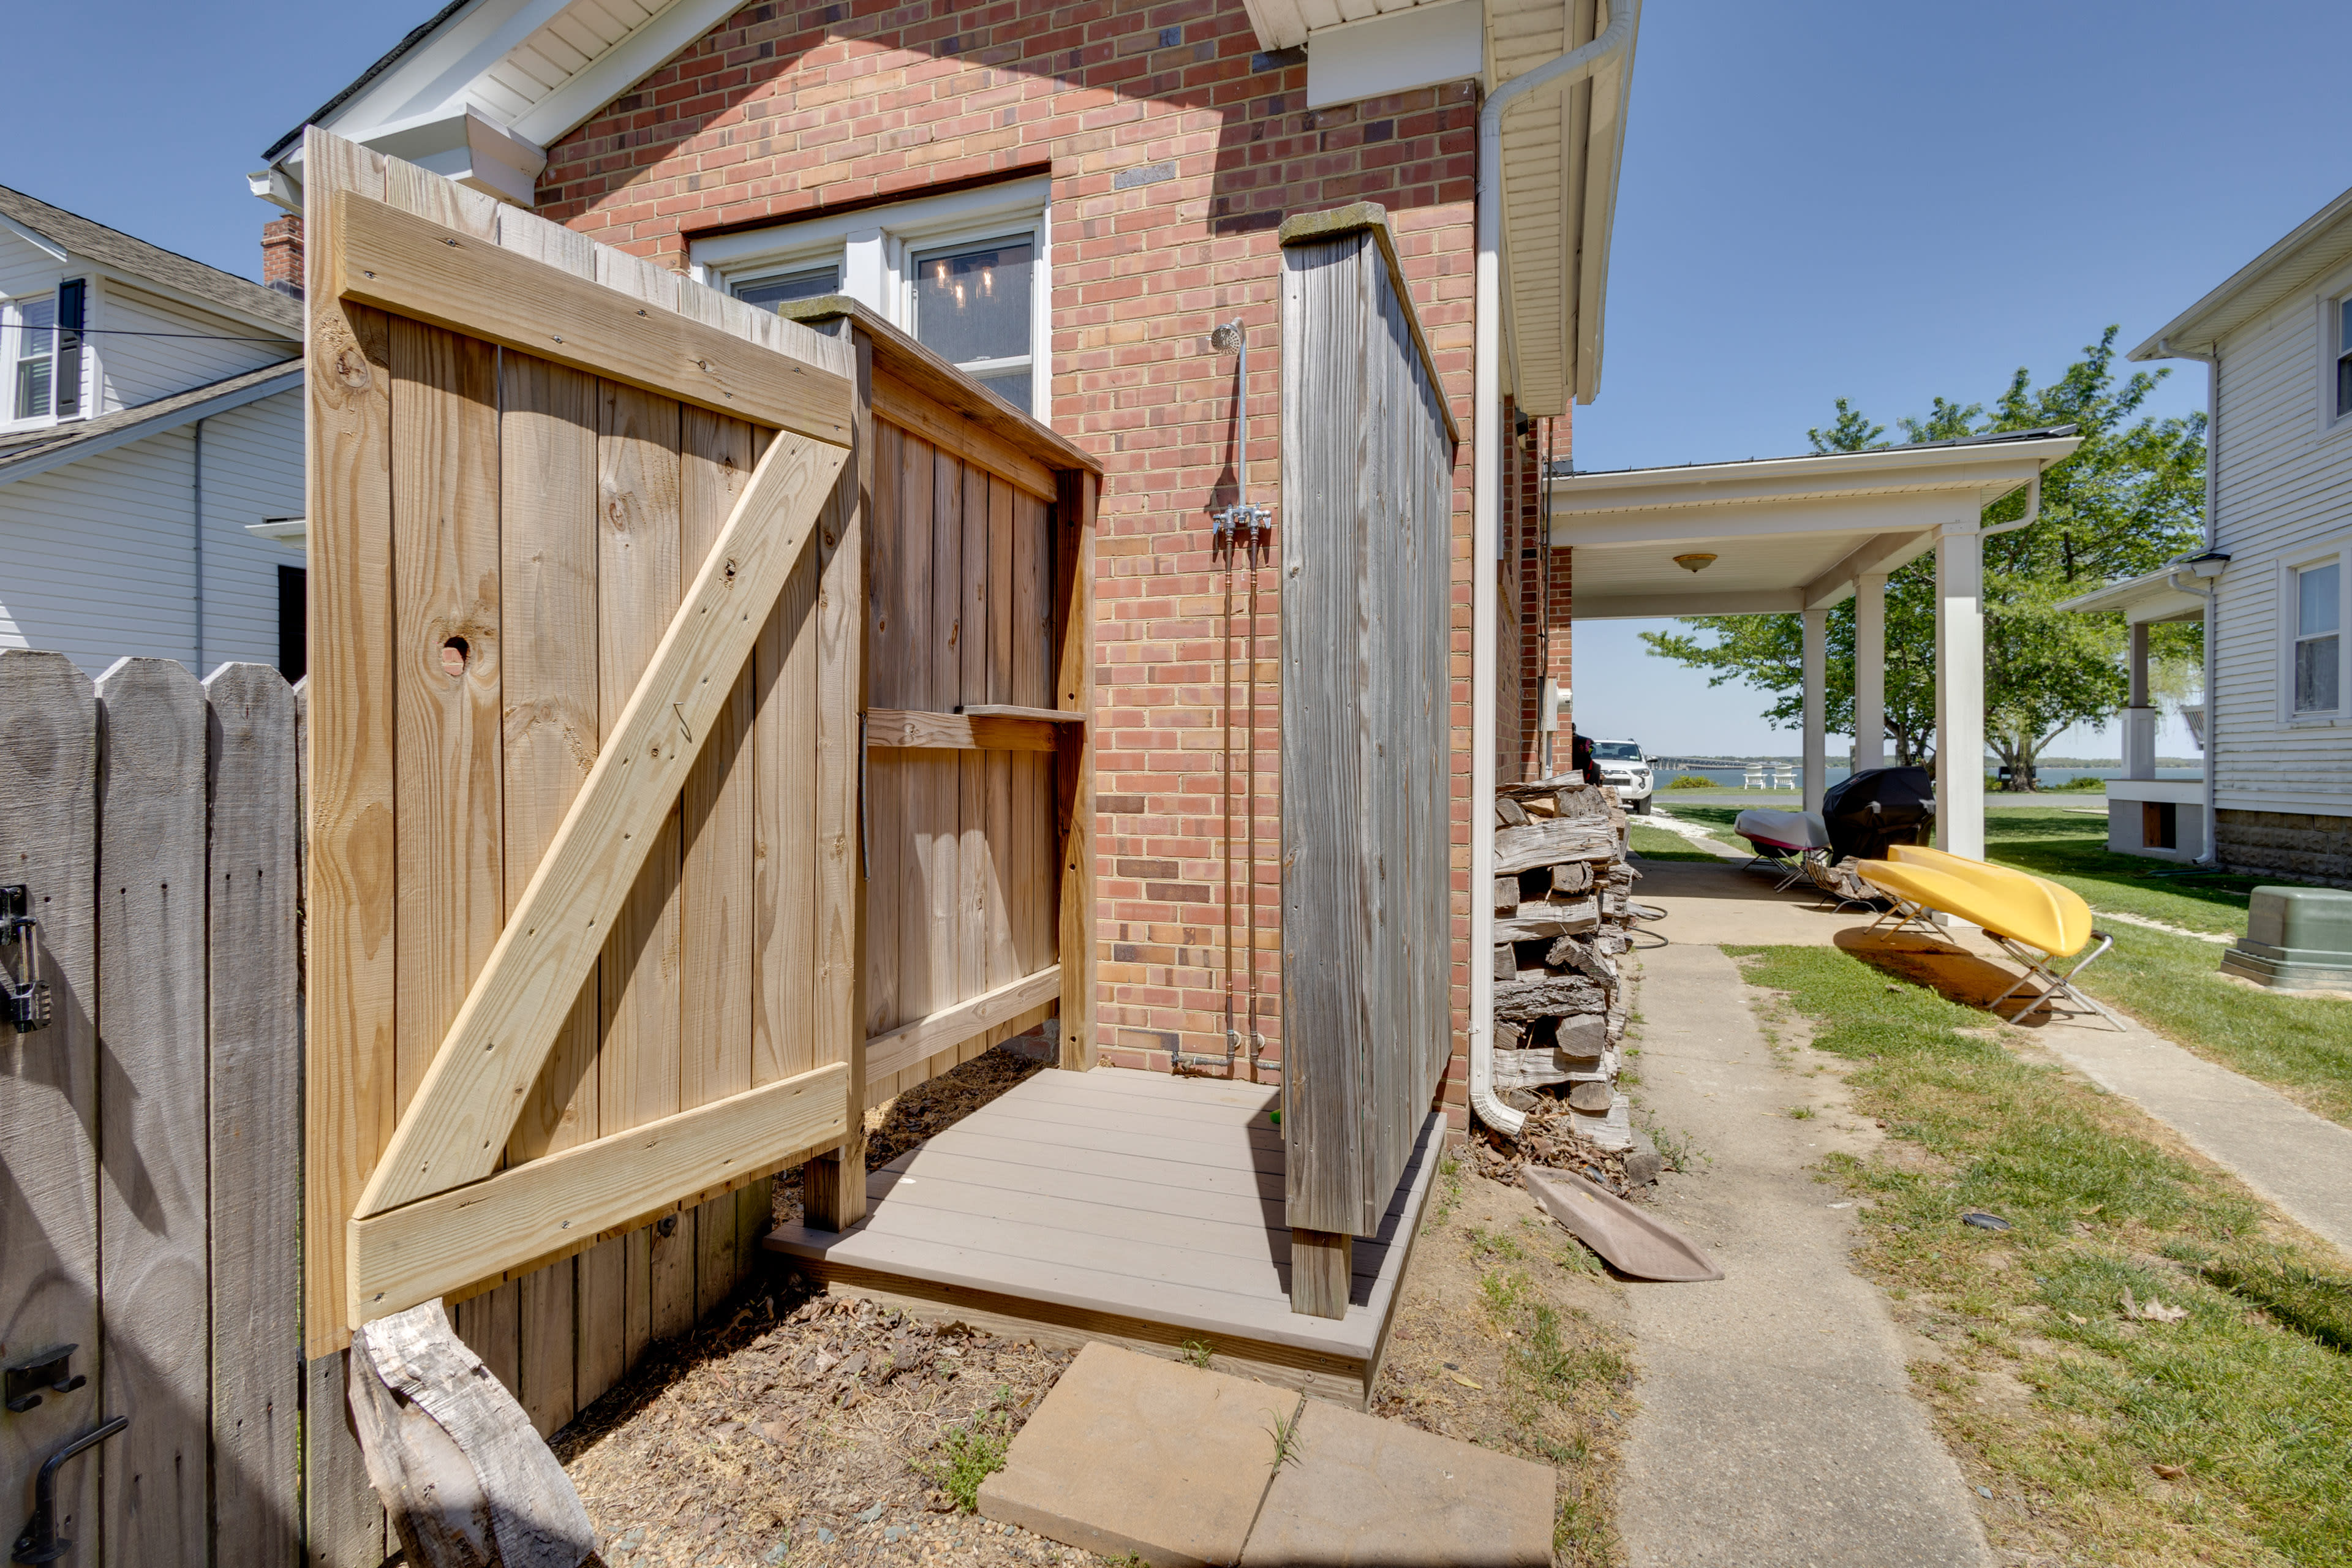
(253, 1000)
(152, 1209)
(1368, 453)
(49, 1093)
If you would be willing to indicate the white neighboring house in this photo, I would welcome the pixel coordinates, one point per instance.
(151, 450)
(2275, 583)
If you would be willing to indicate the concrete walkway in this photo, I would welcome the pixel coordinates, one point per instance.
(1777, 1423)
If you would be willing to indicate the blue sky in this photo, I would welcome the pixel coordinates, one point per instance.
(1883, 202)
(1893, 202)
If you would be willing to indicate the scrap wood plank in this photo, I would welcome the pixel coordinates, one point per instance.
(415, 268)
(524, 1216)
(472, 1093)
(466, 1481)
(900, 728)
(911, 1044)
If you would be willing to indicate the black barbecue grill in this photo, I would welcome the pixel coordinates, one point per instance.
(1876, 807)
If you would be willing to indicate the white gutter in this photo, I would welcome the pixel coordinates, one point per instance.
(2212, 360)
(1486, 513)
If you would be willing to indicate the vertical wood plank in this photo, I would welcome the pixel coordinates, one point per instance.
(716, 883)
(970, 920)
(492, 1326)
(784, 909)
(344, 1523)
(941, 838)
(637, 592)
(155, 1478)
(49, 1092)
(886, 642)
(1003, 955)
(548, 422)
(1074, 765)
(833, 1187)
(446, 827)
(1027, 848)
(254, 999)
(350, 1106)
(917, 499)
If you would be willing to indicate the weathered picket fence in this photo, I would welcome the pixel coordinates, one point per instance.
(151, 1135)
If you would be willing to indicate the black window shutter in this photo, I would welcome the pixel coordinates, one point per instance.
(73, 298)
(293, 623)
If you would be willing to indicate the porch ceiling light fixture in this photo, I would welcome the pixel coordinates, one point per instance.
(1698, 561)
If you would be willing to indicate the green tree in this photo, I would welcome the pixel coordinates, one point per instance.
(2128, 499)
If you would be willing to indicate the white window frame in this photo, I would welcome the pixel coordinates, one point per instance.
(2338, 554)
(873, 247)
(2333, 352)
(13, 333)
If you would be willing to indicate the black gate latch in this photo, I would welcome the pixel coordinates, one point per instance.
(41, 1541)
(43, 1371)
(23, 996)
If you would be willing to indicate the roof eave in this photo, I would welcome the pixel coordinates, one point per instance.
(2198, 326)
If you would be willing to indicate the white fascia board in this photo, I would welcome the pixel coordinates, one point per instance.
(1796, 518)
(2318, 243)
(1666, 606)
(2141, 599)
(620, 68)
(1278, 24)
(37, 241)
(1420, 47)
(1988, 471)
(139, 430)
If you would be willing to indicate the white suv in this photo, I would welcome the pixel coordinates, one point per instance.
(1624, 768)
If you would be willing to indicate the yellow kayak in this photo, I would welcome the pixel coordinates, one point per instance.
(2015, 904)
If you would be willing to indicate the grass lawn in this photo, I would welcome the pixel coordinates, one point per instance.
(1658, 844)
(2224, 1436)
(2301, 1045)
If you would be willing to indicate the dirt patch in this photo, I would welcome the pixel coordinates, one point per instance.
(805, 1431)
(1509, 1336)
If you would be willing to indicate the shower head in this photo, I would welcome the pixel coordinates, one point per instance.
(1226, 338)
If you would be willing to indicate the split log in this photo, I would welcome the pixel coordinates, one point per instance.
(1591, 1097)
(1575, 877)
(1542, 922)
(1554, 995)
(1509, 813)
(1569, 952)
(1549, 843)
(1533, 789)
(1533, 1068)
(1506, 962)
(1582, 1037)
(466, 1481)
(1507, 895)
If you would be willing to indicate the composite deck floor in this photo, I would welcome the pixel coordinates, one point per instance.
(1132, 1206)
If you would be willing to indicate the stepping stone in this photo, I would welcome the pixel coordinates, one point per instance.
(1131, 1453)
(1368, 1493)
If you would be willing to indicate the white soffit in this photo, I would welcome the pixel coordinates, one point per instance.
(2318, 246)
(1280, 24)
(1422, 46)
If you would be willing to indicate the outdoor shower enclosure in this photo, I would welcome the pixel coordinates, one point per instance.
(1368, 450)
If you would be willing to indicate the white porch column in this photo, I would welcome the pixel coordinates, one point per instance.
(1960, 689)
(2139, 719)
(1816, 660)
(1870, 671)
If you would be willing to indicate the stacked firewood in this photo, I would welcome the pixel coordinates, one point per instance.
(1562, 924)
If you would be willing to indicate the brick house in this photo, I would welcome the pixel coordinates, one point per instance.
(1065, 200)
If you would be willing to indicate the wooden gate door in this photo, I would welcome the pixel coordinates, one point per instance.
(585, 678)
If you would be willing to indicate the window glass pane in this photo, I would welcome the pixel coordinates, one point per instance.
(2344, 386)
(972, 302)
(2316, 599)
(806, 284)
(1013, 386)
(36, 342)
(2344, 328)
(2316, 670)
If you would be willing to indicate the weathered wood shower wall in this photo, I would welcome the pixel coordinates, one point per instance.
(1365, 533)
(527, 453)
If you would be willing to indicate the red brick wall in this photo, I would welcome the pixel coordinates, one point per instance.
(786, 110)
(1542, 602)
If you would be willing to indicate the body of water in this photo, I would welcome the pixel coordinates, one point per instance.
(1734, 778)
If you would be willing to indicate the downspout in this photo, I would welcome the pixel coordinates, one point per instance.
(1485, 516)
(2212, 360)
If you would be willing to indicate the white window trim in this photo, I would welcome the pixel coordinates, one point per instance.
(872, 245)
(2321, 554)
(2332, 301)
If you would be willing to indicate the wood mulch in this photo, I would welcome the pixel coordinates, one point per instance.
(805, 1429)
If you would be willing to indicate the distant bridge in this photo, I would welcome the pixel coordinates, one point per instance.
(1695, 764)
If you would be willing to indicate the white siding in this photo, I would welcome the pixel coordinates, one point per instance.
(2284, 485)
(101, 553)
(141, 368)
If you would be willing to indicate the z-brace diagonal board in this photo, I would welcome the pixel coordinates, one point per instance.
(472, 1094)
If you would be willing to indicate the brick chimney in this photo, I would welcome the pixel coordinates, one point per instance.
(281, 255)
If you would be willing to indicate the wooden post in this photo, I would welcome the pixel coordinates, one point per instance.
(1319, 1266)
(833, 1185)
(1074, 758)
(1815, 660)
(1869, 670)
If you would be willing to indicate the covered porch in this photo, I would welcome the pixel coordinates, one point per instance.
(2163, 819)
(1797, 535)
